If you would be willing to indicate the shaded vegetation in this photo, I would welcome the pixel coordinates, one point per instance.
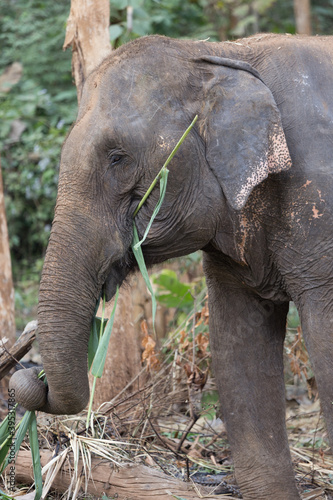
(42, 105)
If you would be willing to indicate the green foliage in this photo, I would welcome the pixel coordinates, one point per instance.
(42, 105)
(138, 254)
(175, 18)
(34, 445)
(30, 165)
(32, 32)
(97, 330)
(197, 19)
(3, 496)
(98, 346)
(213, 19)
(210, 402)
(293, 317)
(322, 16)
(20, 434)
(171, 292)
(279, 18)
(104, 338)
(6, 436)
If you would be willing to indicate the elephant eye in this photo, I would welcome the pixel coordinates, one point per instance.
(114, 159)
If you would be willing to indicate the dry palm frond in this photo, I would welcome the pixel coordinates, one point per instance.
(52, 469)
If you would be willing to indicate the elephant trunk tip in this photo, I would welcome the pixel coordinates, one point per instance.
(29, 391)
(32, 393)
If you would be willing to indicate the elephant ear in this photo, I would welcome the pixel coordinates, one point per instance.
(242, 128)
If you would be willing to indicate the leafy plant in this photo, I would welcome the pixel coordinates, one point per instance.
(171, 292)
(34, 119)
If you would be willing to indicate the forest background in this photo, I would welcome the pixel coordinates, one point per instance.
(37, 112)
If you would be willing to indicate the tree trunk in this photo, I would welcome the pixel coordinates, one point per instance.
(88, 34)
(130, 482)
(7, 314)
(9, 357)
(302, 11)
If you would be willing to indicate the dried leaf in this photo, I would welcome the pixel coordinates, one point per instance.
(149, 354)
(144, 327)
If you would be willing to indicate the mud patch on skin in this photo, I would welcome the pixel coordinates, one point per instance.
(320, 197)
(307, 184)
(163, 143)
(316, 213)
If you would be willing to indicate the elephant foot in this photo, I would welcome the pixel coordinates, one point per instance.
(256, 485)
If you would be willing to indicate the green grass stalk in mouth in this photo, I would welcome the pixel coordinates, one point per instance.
(162, 176)
(171, 155)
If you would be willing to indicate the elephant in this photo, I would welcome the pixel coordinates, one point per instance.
(251, 186)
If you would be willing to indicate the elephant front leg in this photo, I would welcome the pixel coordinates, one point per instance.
(247, 335)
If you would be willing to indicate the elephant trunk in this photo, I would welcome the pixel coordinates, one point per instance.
(70, 285)
(64, 335)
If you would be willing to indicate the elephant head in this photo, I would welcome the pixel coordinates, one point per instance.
(134, 108)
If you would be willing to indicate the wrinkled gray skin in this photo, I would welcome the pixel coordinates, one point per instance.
(265, 226)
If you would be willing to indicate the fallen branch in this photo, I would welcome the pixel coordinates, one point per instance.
(131, 482)
(9, 358)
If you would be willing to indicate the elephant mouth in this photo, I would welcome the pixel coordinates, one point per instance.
(116, 276)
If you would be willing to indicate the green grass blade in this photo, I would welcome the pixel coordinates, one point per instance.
(94, 339)
(91, 400)
(34, 446)
(163, 185)
(171, 155)
(143, 269)
(94, 336)
(5, 440)
(22, 429)
(102, 325)
(6, 437)
(136, 243)
(93, 342)
(99, 360)
(21, 432)
(4, 429)
(3, 496)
